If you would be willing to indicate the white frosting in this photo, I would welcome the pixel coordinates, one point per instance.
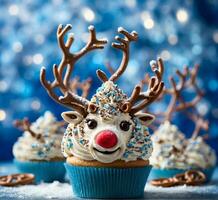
(168, 144)
(133, 144)
(199, 154)
(30, 148)
(173, 151)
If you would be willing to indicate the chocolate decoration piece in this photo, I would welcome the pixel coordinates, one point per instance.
(180, 179)
(25, 126)
(16, 179)
(123, 45)
(187, 80)
(101, 75)
(62, 72)
(195, 177)
(84, 86)
(155, 87)
(155, 84)
(190, 177)
(164, 182)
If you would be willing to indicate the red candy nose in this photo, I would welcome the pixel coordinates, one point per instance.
(106, 139)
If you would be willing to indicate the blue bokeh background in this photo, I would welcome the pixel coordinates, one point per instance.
(181, 32)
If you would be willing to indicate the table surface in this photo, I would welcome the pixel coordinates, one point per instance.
(57, 190)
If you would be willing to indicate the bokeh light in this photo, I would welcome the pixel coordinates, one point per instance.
(181, 32)
(182, 15)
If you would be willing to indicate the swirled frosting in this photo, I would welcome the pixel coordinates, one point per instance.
(48, 147)
(168, 143)
(199, 154)
(135, 144)
(173, 151)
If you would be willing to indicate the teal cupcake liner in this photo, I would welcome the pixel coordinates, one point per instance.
(209, 173)
(43, 171)
(157, 173)
(107, 182)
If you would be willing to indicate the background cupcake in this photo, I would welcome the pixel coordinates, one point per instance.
(168, 151)
(199, 155)
(173, 153)
(38, 150)
(107, 143)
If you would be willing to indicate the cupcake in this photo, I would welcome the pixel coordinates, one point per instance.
(168, 158)
(173, 152)
(200, 156)
(38, 150)
(107, 143)
(176, 154)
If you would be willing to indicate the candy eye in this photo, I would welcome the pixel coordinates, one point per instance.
(125, 125)
(91, 123)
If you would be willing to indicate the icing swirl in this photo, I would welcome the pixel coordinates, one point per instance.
(173, 151)
(168, 143)
(199, 154)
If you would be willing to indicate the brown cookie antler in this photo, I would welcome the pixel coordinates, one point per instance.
(143, 99)
(25, 126)
(177, 102)
(200, 123)
(84, 86)
(175, 92)
(187, 79)
(123, 45)
(69, 99)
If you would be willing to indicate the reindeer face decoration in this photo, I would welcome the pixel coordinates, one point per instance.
(108, 127)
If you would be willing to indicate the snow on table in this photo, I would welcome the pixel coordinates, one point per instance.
(57, 190)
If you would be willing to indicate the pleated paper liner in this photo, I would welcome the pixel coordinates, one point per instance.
(46, 171)
(107, 182)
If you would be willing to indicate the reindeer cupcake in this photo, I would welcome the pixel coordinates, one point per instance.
(107, 143)
(173, 152)
(38, 150)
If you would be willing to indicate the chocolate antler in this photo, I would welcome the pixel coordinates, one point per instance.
(191, 83)
(84, 86)
(175, 93)
(123, 45)
(155, 83)
(109, 67)
(177, 102)
(200, 123)
(25, 126)
(69, 99)
(143, 99)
